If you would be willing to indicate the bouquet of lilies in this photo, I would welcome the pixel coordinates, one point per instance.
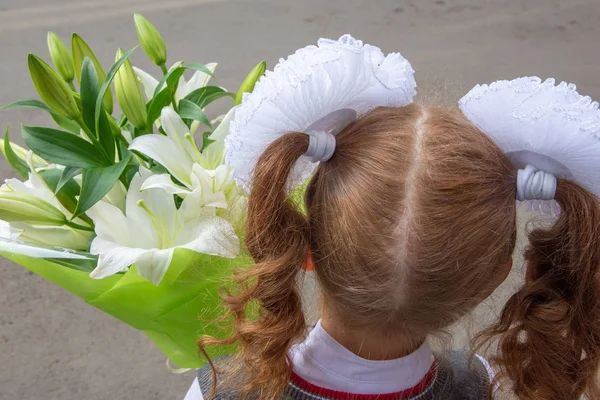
(137, 214)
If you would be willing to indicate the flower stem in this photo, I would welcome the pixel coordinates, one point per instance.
(80, 227)
(164, 70)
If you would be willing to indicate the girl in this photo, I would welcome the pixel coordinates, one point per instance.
(409, 223)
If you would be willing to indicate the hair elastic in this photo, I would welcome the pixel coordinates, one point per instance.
(321, 146)
(535, 185)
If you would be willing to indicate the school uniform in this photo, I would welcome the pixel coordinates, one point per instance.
(323, 369)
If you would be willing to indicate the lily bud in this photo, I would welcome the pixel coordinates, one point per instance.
(80, 50)
(53, 90)
(24, 207)
(129, 93)
(151, 40)
(61, 57)
(250, 81)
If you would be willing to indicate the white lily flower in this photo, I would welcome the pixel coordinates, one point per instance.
(61, 236)
(211, 188)
(151, 229)
(199, 80)
(177, 151)
(201, 173)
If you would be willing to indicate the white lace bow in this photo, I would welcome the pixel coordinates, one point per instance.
(550, 127)
(319, 89)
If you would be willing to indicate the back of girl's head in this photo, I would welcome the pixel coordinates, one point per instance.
(410, 225)
(402, 236)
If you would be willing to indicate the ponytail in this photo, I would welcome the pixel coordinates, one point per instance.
(277, 237)
(549, 331)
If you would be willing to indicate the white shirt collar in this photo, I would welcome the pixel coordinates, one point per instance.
(322, 361)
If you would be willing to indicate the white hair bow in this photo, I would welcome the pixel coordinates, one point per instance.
(318, 90)
(548, 131)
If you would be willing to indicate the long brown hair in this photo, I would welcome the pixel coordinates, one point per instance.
(549, 330)
(410, 225)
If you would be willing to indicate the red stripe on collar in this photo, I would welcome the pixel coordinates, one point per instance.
(419, 388)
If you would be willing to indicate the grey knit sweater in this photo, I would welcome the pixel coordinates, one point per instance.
(456, 377)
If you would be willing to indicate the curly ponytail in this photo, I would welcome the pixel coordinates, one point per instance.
(549, 330)
(277, 238)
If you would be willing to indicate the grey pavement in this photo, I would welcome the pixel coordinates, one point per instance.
(52, 345)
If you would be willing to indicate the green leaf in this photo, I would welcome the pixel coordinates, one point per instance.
(61, 147)
(206, 141)
(175, 71)
(67, 193)
(205, 95)
(130, 172)
(199, 67)
(63, 122)
(189, 110)
(96, 183)
(66, 176)
(13, 160)
(90, 89)
(106, 84)
(66, 123)
(122, 121)
(29, 104)
(158, 102)
(172, 77)
(53, 178)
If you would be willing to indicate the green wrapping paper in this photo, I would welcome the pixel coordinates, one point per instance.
(174, 314)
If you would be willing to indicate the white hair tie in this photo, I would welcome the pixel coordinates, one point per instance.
(321, 146)
(535, 185)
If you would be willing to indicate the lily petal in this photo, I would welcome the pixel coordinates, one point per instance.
(179, 133)
(147, 81)
(113, 257)
(111, 224)
(192, 209)
(165, 152)
(165, 183)
(116, 196)
(213, 155)
(154, 264)
(155, 206)
(139, 217)
(214, 236)
(208, 195)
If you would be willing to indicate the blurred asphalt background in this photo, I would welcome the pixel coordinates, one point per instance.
(52, 345)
